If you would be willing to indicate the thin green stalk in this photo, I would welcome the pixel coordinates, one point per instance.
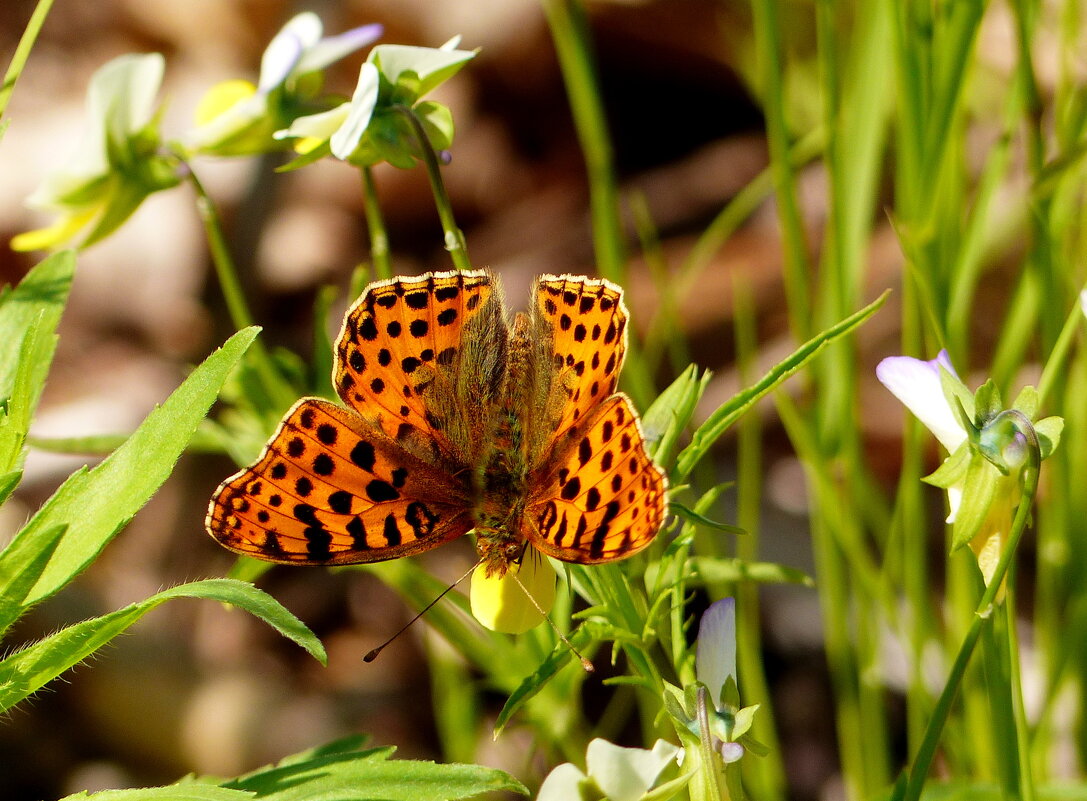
(22, 53)
(375, 226)
(569, 31)
(766, 775)
(454, 237)
(923, 760)
(1015, 687)
(1055, 364)
(280, 395)
(771, 73)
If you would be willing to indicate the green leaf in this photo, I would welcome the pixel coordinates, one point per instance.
(367, 775)
(8, 482)
(952, 471)
(430, 66)
(1027, 401)
(978, 492)
(713, 570)
(183, 791)
(987, 402)
(21, 564)
(26, 671)
(95, 504)
(722, 418)
(669, 415)
(38, 299)
(691, 516)
(437, 122)
(532, 684)
(1049, 435)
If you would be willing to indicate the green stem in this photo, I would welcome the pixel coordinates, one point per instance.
(771, 75)
(1018, 709)
(279, 394)
(375, 225)
(22, 52)
(1055, 364)
(927, 751)
(454, 237)
(569, 31)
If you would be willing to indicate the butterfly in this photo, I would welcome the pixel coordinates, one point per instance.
(455, 420)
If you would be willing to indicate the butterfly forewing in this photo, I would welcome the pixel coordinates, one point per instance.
(327, 490)
(398, 338)
(585, 320)
(598, 497)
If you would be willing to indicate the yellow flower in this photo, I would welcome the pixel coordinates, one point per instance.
(500, 602)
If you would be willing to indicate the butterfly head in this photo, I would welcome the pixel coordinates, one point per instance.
(498, 550)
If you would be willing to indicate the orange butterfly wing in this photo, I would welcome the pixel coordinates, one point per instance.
(596, 495)
(329, 490)
(404, 335)
(600, 497)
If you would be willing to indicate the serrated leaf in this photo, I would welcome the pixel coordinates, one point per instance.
(349, 776)
(21, 564)
(8, 482)
(95, 504)
(183, 791)
(39, 298)
(29, 669)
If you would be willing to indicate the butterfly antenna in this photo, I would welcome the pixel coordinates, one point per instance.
(372, 655)
(585, 663)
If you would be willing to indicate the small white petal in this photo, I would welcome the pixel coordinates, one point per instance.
(1083, 301)
(333, 48)
(286, 48)
(715, 658)
(561, 784)
(452, 44)
(917, 384)
(318, 126)
(954, 498)
(347, 138)
(626, 774)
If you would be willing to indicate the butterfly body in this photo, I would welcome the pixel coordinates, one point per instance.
(455, 420)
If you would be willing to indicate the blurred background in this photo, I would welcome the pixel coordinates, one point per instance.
(198, 688)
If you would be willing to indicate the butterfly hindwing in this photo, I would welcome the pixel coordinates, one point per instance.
(598, 497)
(327, 489)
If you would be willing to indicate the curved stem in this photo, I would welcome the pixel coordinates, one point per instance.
(375, 225)
(454, 237)
(279, 395)
(927, 750)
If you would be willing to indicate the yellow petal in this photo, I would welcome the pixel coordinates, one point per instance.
(221, 97)
(501, 604)
(65, 228)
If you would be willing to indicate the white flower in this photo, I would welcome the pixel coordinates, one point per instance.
(236, 117)
(116, 164)
(917, 384)
(621, 774)
(392, 75)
